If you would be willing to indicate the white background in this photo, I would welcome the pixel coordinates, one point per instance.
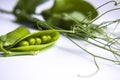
(63, 61)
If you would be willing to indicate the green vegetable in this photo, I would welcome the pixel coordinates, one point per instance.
(24, 43)
(46, 38)
(10, 38)
(49, 38)
(38, 41)
(62, 17)
(76, 9)
(70, 6)
(74, 18)
(65, 14)
(32, 41)
(26, 6)
(21, 43)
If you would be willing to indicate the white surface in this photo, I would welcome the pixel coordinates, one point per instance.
(63, 61)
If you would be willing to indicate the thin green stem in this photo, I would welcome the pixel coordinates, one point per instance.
(96, 62)
(99, 7)
(66, 31)
(107, 3)
(108, 23)
(114, 28)
(4, 11)
(92, 74)
(103, 14)
(90, 52)
(3, 50)
(102, 47)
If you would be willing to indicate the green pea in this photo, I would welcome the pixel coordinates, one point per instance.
(31, 41)
(38, 41)
(49, 38)
(44, 38)
(24, 43)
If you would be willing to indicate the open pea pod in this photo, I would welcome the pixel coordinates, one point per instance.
(30, 43)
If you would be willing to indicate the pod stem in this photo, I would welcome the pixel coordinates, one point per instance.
(3, 50)
(9, 53)
(21, 53)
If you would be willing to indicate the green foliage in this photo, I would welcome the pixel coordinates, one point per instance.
(27, 7)
(77, 9)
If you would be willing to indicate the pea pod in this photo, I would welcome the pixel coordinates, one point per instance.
(13, 36)
(28, 43)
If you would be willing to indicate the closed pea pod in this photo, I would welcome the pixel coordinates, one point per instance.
(32, 43)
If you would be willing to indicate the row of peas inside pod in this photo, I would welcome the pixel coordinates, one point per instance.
(36, 40)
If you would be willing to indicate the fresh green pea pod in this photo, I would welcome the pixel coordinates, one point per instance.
(22, 46)
(13, 36)
(6, 41)
(54, 34)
